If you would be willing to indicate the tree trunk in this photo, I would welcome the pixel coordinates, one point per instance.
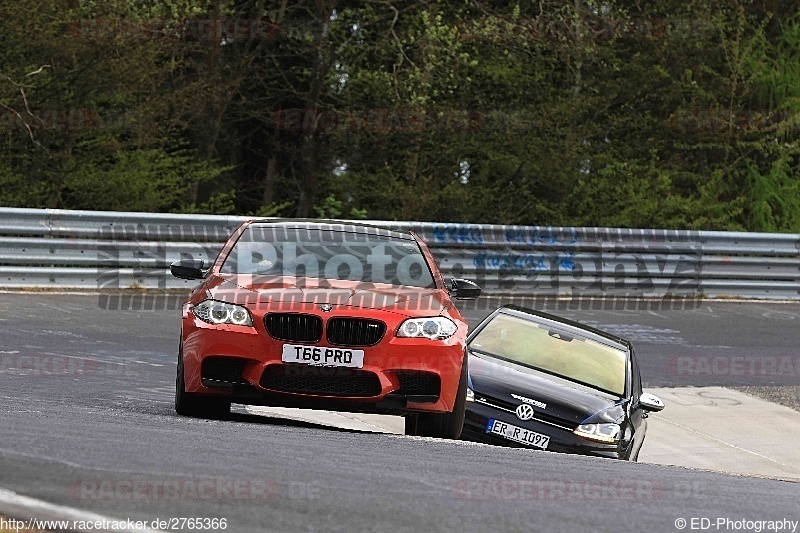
(209, 122)
(309, 175)
(269, 180)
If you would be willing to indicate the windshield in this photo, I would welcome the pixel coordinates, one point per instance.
(275, 253)
(556, 351)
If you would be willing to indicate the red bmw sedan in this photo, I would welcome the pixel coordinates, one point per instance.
(324, 315)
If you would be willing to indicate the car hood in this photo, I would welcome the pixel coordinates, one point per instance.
(412, 301)
(568, 402)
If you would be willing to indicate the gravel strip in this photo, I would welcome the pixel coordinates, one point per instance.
(783, 395)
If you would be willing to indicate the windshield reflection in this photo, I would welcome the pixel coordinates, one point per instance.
(557, 351)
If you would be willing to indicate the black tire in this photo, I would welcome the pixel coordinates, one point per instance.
(197, 405)
(412, 420)
(442, 425)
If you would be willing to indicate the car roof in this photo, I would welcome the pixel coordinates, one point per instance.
(333, 225)
(572, 323)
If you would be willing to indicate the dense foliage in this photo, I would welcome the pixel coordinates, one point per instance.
(677, 114)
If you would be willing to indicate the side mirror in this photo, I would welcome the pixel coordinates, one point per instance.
(650, 402)
(463, 289)
(188, 269)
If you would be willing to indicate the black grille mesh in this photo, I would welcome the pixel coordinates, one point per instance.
(538, 414)
(355, 331)
(294, 327)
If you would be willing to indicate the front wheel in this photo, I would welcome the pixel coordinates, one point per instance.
(635, 457)
(197, 405)
(442, 425)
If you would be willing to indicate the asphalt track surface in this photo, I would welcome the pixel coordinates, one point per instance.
(87, 422)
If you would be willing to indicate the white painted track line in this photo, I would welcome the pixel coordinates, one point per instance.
(716, 428)
(23, 507)
(354, 421)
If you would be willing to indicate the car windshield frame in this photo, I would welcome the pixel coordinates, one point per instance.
(330, 238)
(574, 332)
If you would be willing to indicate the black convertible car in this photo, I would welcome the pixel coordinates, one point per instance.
(542, 381)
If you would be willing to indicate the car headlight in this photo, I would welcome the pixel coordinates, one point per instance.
(470, 395)
(215, 312)
(433, 328)
(608, 433)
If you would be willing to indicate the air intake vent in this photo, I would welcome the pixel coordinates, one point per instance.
(320, 380)
(355, 331)
(419, 383)
(227, 369)
(294, 327)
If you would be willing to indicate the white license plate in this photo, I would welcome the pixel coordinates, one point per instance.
(517, 434)
(322, 356)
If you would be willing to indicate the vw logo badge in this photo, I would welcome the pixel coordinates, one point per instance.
(524, 412)
(325, 308)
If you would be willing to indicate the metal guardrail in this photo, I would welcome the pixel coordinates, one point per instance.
(115, 250)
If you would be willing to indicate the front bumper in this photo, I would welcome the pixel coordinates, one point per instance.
(562, 439)
(387, 382)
